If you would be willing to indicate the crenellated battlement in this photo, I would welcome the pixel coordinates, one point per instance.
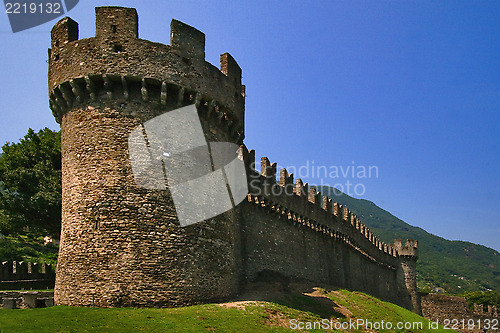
(116, 23)
(187, 40)
(80, 66)
(408, 250)
(22, 275)
(348, 249)
(65, 31)
(304, 204)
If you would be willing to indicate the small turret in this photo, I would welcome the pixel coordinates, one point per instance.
(410, 249)
(408, 255)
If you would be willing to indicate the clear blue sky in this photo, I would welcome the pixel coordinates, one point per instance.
(411, 87)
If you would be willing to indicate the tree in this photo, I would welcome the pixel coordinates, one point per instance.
(30, 184)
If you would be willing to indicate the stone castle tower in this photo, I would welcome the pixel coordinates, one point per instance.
(122, 245)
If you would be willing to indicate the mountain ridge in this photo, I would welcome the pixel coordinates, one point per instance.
(452, 266)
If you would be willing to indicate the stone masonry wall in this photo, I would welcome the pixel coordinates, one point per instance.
(445, 308)
(297, 232)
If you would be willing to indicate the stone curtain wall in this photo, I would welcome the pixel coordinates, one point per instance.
(438, 307)
(16, 275)
(291, 229)
(121, 245)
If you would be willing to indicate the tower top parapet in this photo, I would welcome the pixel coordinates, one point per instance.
(409, 249)
(117, 51)
(116, 23)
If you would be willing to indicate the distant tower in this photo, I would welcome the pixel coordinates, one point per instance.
(408, 255)
(121, 245)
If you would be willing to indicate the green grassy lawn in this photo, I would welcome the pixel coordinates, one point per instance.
(247, 316)
(201, 318)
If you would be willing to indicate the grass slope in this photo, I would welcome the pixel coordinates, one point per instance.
(442, 263)
(243, 316)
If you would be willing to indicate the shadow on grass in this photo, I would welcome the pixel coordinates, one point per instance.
(300, 295)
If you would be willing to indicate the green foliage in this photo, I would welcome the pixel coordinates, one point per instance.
(483, 297)
(30, 184)
(454, 266)
(27, 248)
